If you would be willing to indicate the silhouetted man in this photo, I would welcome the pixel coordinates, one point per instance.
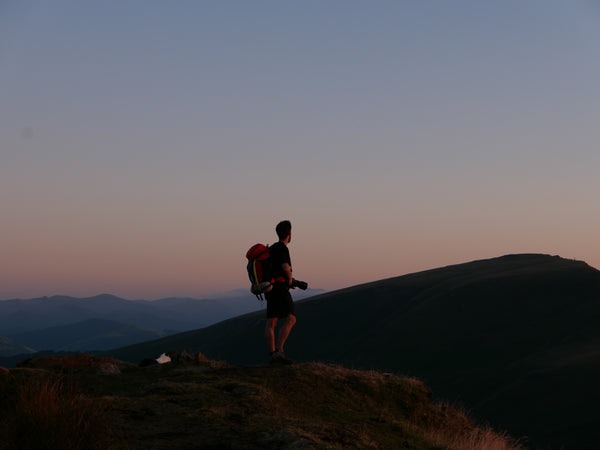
(279, 301)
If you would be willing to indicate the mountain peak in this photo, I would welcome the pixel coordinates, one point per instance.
(104, 297)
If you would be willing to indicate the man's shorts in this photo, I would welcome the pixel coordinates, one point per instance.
(279, 302)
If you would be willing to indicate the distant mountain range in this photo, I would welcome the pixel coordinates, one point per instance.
(91, 334)
(62, 323)
(516, 339)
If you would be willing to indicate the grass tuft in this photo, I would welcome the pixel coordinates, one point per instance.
(47, 412)
(459, 431)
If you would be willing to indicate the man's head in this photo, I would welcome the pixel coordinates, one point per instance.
(283, 230)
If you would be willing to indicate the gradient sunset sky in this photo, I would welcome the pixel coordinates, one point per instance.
(146, 145)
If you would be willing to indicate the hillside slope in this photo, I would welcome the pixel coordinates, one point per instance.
(10, 347)
(513, 337)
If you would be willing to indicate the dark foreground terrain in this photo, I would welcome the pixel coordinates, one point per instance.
(89, 402)
(515, 339)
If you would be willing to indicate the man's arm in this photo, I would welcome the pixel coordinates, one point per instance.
(287, 273)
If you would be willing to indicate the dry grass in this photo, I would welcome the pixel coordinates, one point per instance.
(213, 405)
(369, 409)
(47, 412)
(475, 439)
(459, 432)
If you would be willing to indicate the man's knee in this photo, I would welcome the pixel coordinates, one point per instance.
(270, 324)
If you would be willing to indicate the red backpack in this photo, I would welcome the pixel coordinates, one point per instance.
(259, 269)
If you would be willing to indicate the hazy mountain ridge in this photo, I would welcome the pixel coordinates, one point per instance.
(514, 337)
(20, 316)
(88, 335)
(59, 322)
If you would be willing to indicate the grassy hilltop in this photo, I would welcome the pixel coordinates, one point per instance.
(513, 338)
(87, 402)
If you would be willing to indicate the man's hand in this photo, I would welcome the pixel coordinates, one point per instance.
(299, 284)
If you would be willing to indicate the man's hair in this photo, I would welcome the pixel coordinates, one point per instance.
(283, 229)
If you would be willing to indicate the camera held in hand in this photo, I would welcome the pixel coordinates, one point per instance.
(299, 284)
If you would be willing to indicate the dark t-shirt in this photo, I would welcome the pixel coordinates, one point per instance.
(279, 254)
(279, 300)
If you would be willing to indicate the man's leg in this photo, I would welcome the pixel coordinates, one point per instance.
(270, 334)
(284, 331)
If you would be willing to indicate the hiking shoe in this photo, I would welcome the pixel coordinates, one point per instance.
(280, 358)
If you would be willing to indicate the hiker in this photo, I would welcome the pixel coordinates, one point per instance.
(279, 300)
